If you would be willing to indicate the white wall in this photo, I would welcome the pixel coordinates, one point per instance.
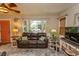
(70, 14)
(52, 22)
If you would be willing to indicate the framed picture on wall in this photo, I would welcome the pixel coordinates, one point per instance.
(76, 19)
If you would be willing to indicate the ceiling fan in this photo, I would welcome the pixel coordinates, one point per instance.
(8, 7)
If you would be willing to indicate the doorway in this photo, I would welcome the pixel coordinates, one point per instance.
(5, 31)
(62, 26)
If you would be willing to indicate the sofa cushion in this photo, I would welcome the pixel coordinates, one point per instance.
(33, 41)
(34, 35)
(42, 34)
(23, 42)
(41, 42)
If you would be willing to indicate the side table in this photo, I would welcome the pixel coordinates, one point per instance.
(14, 38)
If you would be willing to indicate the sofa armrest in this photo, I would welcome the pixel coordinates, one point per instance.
(3, 53)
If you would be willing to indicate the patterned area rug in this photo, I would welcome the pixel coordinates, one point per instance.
(14, 51)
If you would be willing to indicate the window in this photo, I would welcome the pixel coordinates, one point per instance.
(34, 26)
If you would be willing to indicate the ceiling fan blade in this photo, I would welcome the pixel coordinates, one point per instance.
(4, 5)
(3, 8)
(17, 11)
(12, 5)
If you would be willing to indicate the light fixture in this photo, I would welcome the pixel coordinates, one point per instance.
(3, 9)
(15, 31)
(12, 5)
(9, 7)
(53, 30)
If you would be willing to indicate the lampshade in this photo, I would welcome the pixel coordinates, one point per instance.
(53, 30)
(15, 30)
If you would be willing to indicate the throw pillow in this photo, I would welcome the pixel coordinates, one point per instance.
(24, 38)
(42, 38)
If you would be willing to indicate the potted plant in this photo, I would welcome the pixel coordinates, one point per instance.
(54, 34)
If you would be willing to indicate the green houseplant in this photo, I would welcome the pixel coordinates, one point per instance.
(54, 34)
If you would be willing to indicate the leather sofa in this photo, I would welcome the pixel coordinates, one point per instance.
(33, 41)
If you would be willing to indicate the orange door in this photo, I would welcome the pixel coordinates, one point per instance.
(5, 31)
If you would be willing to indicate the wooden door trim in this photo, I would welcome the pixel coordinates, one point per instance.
(64, 18)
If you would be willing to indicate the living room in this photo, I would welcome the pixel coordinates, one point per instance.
(29, 31)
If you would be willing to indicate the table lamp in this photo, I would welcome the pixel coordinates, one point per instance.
(54, 33)
(15, 31)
